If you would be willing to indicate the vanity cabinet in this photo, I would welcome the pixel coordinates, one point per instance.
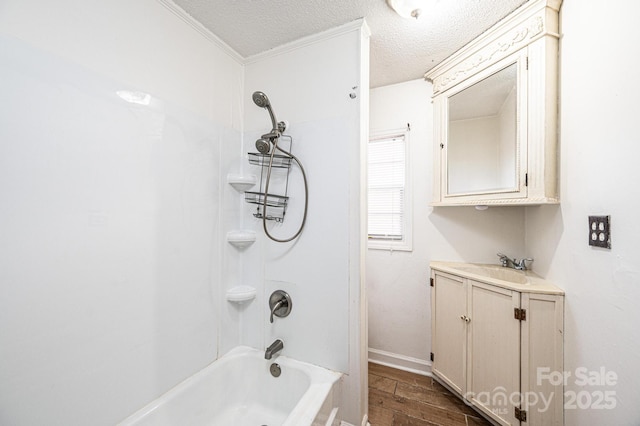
(495, 342)
(495, 113)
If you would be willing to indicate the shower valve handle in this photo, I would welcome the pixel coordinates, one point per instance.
(275, 308)
(279, 304)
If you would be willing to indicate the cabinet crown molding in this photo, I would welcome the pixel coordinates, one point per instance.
(527, 24)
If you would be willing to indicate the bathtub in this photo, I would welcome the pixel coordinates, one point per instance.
(238, 390)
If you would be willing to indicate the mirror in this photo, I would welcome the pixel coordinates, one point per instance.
(482, 135)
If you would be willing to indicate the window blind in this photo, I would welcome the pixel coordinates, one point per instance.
(386, 188)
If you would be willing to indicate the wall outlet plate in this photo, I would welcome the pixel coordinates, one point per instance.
(600, 231)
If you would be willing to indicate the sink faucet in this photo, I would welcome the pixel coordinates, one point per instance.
(276, 346)
(520, 265)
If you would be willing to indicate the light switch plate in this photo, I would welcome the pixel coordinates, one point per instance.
(600, 231)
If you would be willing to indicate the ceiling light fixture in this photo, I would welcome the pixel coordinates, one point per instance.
(406, 8)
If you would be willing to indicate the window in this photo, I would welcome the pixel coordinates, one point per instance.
(389, 212)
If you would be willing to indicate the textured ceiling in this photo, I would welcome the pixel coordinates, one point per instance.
(401, 49)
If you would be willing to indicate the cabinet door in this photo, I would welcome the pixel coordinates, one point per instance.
(494, 351)
(542, 350)
(449, 308)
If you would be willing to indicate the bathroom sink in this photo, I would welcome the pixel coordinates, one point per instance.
(497, 272)
(498, 275)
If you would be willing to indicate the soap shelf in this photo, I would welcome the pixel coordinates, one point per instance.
(241, 239)
(241, 182)
(240, 294)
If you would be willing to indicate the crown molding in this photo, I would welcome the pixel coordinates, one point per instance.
(358, 24)
(189, 20)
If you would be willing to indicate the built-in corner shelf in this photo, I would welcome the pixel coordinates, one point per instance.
(241, 239)
(241, 182)
(241, 294)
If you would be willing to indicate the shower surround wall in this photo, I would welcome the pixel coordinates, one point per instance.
(109, 289)
(309, 83)
(114, 266)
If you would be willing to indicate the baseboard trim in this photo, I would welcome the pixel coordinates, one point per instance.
(401, 362)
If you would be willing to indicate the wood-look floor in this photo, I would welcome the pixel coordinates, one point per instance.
(399, 398)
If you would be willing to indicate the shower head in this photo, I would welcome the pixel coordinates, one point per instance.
(260, 99)
(263, 146)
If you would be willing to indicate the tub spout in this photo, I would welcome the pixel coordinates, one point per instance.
(275, 347)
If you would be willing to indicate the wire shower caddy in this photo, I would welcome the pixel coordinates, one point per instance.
(280, 167)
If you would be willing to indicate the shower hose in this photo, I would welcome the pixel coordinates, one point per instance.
(266, 191)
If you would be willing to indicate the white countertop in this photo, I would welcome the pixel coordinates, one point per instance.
(522, 281)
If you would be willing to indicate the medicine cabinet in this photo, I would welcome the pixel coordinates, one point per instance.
(495, 113)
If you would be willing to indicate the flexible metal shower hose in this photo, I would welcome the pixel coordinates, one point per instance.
(266, 192)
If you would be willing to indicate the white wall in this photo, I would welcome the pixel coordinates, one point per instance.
(308, 84)
(599, 151)
(109, 209)
(397, 282)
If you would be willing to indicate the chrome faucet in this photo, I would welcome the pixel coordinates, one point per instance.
(505, 261)
(275, 347)
(520, 265)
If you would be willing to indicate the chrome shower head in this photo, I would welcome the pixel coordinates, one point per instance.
(260, 99)
(263, 146)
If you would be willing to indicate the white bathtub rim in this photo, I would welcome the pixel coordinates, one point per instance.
(304, 411)
(309, 405)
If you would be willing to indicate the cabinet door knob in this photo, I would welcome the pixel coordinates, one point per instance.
(467, 319)
(462, 317)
